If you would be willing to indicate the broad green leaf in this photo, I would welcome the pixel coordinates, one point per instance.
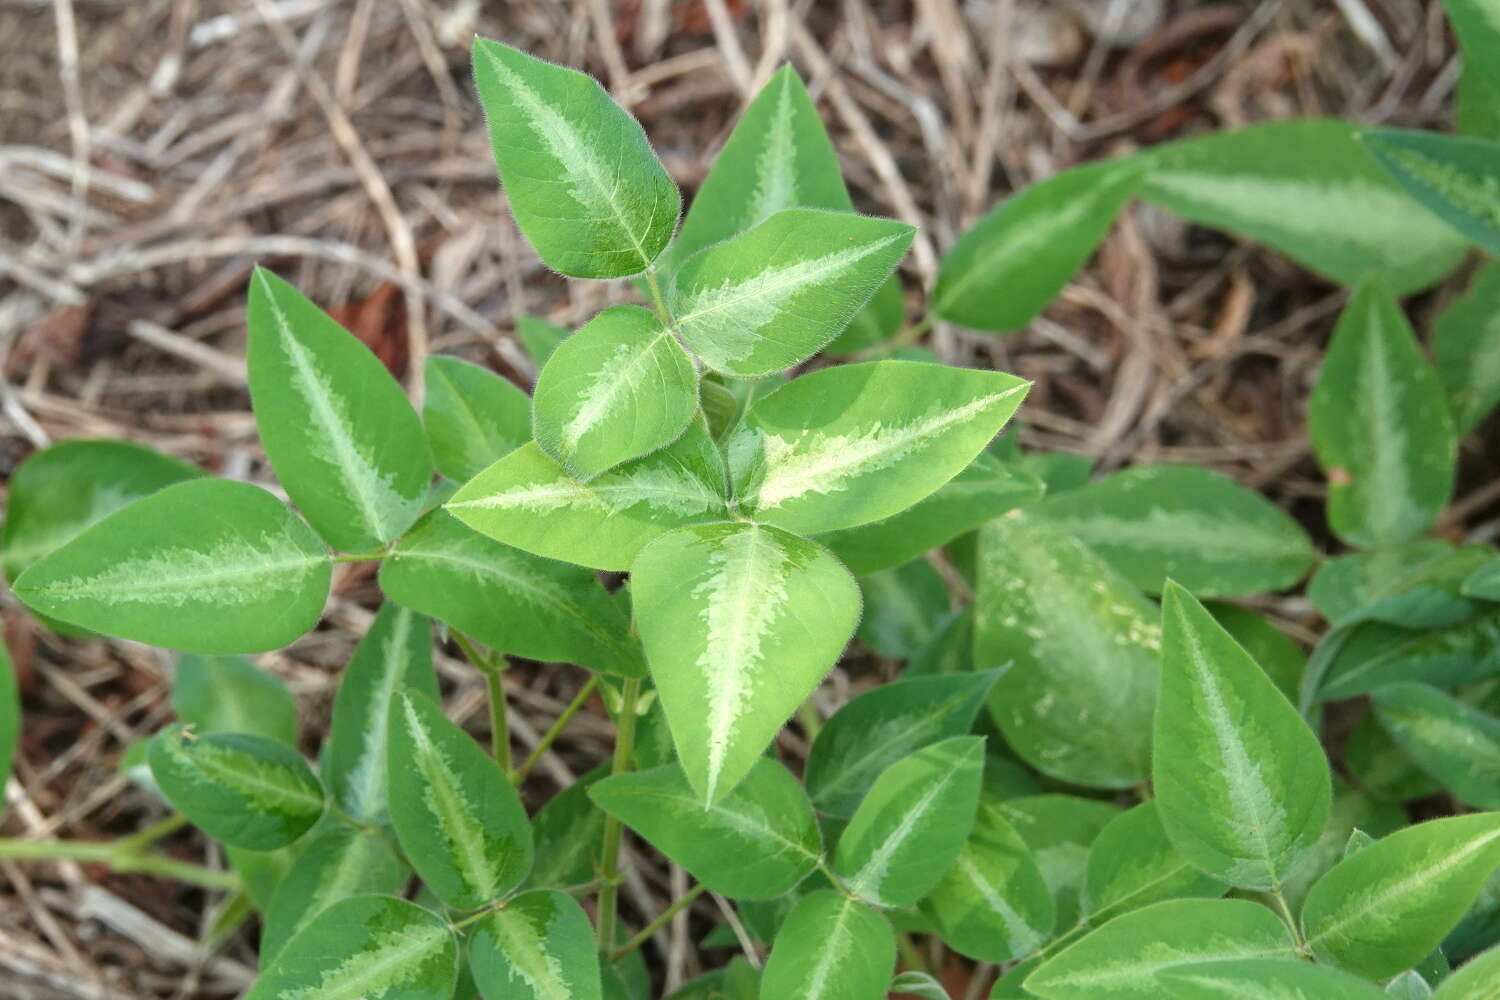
(1375, 654)
(739, 980)
(365, 948)
(993, 904)
(1084, 647)
(773, 296)
(1330, 206)
(740, 622)
(568, 833)
(1416, 585)
(1480, 926)
(1060, 830)
(757, 842)
(1484, 582)
(949, 651)
(1242, 785)
(456, 815)
(1408, 986)
(1457, 178)
(721, 407)
(1010, 986)
(229, 694)
(877, 322)
(1383, 909)
(539, 946)
(539, 337)
(1132, 864)
(473, 417)
(1475, 980)
(848, 445)
(903, 608)
(245, 790)
(1379, 766)
(985, 489)
(1128, 956)
(528, 500)
(206, 565)
(1004, 270)
(1466, 350)
(882, 726)
(1477, 25)
(1452, 741)
(1380, 426)
(511, 600)
(395, 655)
(10, 717)
(619, 388)
(1213, 536)
(336, 426)
(338, 861)
(261, 872)
(1265, 979)
(1276, 652)
(920, 985)
(583, 183)
(831, 947)
(911, 825)
(1352, 810)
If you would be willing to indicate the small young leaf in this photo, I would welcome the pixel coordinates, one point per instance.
(1265, 979)
(1408, 986)
(1457, 178)
(1132, 864)
(757, 842)
(1466, 350)
(1452, 741)
(920, 985)
(229, 694)
(206, 565)
(539, 946)
(1006, 269)
(455, 812)
(338, 861)
(245, 790)
(831, 947)
(1060, 830)
(473, 417)
(911, 825)
(1380, 426)
(1475, 980)
(773, 296)
(619, 388)
(370, 947)
(583, 183)
(740, 622)
(336, 426)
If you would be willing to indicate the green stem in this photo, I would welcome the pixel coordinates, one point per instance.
(909, 953)
(909, 335)
(142, 839)
(678, 904)
(499, 725)
(551, 735)
(609, 865)
(657, 301)
(120, 858)
(1285, 910)
(810, 719)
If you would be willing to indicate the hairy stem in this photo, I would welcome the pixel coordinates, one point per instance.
(664, 918)
(120, 856)
(609, 865)
(551, 735)
(657, 301)
(1284, 909)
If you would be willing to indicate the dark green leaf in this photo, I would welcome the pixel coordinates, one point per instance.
(473, 417)
(831, 947)
(1457, 178)
(539, 946)
(1466, 350)
(1453, 742)
(229, 694)
(1132, 864)
(1060, 830)
(338, 861)
(903, 608)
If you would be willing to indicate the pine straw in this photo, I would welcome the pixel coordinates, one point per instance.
(152, 151)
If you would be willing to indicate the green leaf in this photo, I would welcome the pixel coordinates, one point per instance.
(920, 985)
(455, 812)
(473, 417)
(508, 599)
(1475, 980)
(1383, 909)
(774, 295)
(568, 833)
(1265, 979)
(1452, 741)
(1085, 648)
(1276, 652)
(1203, 530)
(527, 500)
(539, 946)
(10, 717)
(338, 861)
(877, 322)
(1408, 986)
(1132, 863)
(831, 947)
(1380, 426)
(395, 655)
(539, 337)
(1376, 654)
(882, 726)
(1457, 178)
(1484, 582)
(903, 608)
(207, 566)
(229, 694)
(1004, 270)
(1330, 206)
(336, 426)
(1417, 585)
(1242, 786)
(848, 445)
(993, 904)
(1466, 350)
(365, 948)
(1380, 767)
(1477, 25)
(1129, 956)
(245, 790)
(619, 388)
(583, 183)
(757, 842)
(1060, 830)
(911, 825)
(949, 651)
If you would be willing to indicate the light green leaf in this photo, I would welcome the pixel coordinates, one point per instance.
(1475, 980)
(757, 842)
(740, 622)
(1477, 25)
(539, 946)
(336, 426)
(338, 861)
(853, 444)
(10, 717)
(1408, 986)
(904, 607)
(773, 296)
(1330, 207)
(619, 388)
(207, 566)
(583, 183)
(1383, 909)
(1128, 956)
(508, 599)
(1242, 785)
(1484, 582)
(245, 790)
(527, 500)
(1203, 530)
(1454, 742)
(1085, 648)
(1060, 830)
(365, 948)
(472, 416)
(1466, 350)
(456, 815)
(1132, 864)
(1457, 178)
(1276, 652)
(1005, 269)
(1265, 979)
(920, 985)
(831, 947)
(539, 337)
(229, 694)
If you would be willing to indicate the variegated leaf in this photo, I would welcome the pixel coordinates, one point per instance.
(1060, 830)
(1477, 25)
(1133, 864)
(740, 622)
(1268, 979)
(229, 694)
(539, 946)
(472, 416)
(830, 947)
(1475, 980)
(1451, 740)
(1466, 350)
(1456, 177)
(338, 861)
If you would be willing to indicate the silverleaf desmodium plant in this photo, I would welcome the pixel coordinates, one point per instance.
(1098, 775)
